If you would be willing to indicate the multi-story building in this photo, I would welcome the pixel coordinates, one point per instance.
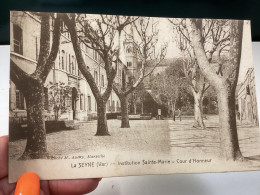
(24, 50)
(246, 99)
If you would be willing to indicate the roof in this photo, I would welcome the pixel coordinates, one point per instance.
(155, 98)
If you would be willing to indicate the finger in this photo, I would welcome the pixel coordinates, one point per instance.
(28, 184)
(67, 187)
(3, 156)
(5, 187)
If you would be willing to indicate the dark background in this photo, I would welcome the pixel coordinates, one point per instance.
(235, 9)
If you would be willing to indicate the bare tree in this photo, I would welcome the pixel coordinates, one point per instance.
(32, 86)
(145, 49)
(100, 34)
(223, 76)
(197, 82)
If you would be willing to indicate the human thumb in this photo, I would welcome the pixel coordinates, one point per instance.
(28, 184)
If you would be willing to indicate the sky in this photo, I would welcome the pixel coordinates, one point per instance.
(166, 35)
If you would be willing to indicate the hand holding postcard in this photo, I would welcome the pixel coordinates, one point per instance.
(108, 95)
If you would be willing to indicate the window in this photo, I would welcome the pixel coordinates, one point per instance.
(69, 64)
(72, 65)
(129, 64)
(84, 102)
(59, 54)
(66, 63)
(117, 107)
(46, 99)
(19, 100)
(89, 103)
(81, 102)
(102, 81)
(95, 54)
(18, 39)
(62, 62)
(96, 77)
(62, 59)
(134, 50)
(128, 49)
(123, 75)
(68, 102)
(247, 90)
(129, 79)
(36, 48)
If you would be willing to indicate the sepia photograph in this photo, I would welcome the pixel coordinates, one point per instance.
(95, 95)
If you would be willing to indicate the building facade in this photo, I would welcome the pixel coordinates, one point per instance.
(24, 51)
(246, 99)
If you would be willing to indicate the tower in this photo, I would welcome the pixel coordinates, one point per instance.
(130, 48)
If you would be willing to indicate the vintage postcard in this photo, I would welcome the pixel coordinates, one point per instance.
(108, 95)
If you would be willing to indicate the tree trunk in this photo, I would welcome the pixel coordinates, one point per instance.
(36, 136)
(142, 107)
(198, 120)
(124, 112)
(173, 110)
(134, 107)
(168, 109)
(102, 128)
(228, 129)
(56, 113)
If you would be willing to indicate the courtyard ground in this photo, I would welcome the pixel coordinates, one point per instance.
(206, 142)
(148, 135)
(159, 136)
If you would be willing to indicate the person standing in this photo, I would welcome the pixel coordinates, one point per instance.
(159, 114)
